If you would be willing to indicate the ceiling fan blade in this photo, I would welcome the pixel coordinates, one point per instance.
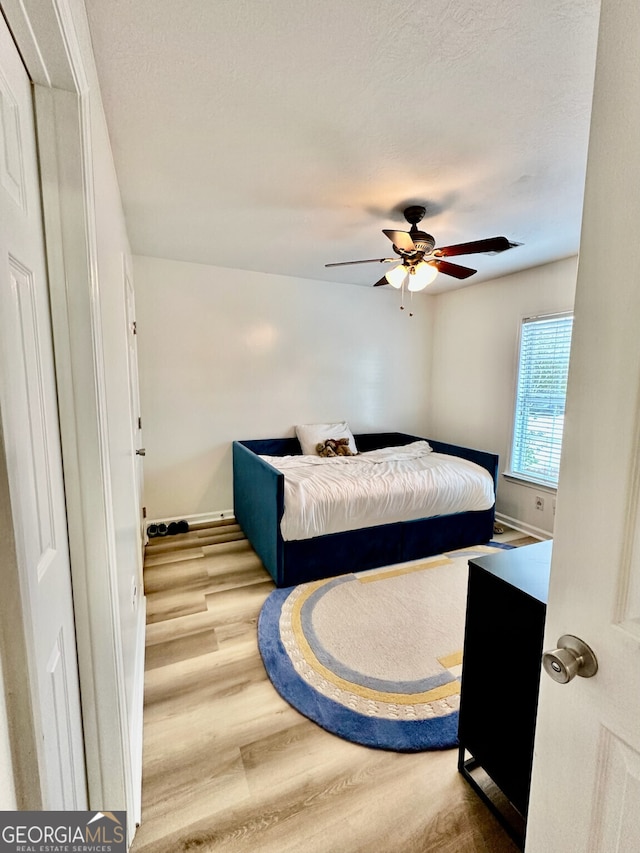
(491, 244)
(452, 269)
(382, 281)
(401, 239)
(369, 261)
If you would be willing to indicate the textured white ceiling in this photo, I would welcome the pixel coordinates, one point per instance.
(279, 135)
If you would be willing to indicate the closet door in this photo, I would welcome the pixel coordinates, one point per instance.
(28, 406)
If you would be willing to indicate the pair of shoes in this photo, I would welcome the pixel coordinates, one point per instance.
(178, 527)
(167, 530)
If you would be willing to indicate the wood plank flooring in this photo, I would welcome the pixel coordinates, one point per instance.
(230, 766)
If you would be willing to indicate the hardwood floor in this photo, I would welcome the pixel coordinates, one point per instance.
(230, 766)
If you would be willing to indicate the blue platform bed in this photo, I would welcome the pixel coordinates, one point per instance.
(258, 497)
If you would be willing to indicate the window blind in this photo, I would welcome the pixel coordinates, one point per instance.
(545, 343)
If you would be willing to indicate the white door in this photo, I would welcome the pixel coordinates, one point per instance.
(32, 445)
(585, 794)
(136, 417)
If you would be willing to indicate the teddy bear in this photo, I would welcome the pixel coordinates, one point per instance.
(334, 447)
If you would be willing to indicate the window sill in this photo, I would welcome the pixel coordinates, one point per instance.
(529, 482)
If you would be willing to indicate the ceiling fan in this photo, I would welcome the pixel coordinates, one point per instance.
(420, 260)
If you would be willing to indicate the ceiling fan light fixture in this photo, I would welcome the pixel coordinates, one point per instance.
(413, 246)
(422, 275)
(396, 276)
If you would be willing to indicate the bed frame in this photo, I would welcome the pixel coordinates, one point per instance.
(258, 501)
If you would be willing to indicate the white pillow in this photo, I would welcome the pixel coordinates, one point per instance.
(310, 435)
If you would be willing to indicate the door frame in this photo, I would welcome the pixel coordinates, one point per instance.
(54, 52)
(136, 417)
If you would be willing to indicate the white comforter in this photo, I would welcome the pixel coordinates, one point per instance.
(380, 487)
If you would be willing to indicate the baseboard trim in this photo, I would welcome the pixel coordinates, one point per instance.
(521, 526)
(200, 518)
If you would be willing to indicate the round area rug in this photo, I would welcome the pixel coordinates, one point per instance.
(374, 657)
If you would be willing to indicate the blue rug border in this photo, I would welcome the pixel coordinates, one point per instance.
(436, 733)
(397, 736)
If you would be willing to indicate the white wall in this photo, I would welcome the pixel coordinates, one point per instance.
(227, 354)
(474, 367)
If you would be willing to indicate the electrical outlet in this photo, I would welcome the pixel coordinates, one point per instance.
(539, 503)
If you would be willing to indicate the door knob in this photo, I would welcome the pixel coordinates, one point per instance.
(571, 658)
(141, 452)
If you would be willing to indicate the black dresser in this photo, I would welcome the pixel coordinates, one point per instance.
(506, 608)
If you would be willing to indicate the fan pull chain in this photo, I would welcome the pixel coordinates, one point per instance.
(410, 300)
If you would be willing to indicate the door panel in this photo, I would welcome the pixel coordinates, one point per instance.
(11, 163)
(60, 761)
(617, 797)
(28, 406)
(27, 379)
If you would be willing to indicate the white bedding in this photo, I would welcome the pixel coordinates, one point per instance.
(379, 487)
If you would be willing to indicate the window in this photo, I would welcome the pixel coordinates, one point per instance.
(540, 397)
